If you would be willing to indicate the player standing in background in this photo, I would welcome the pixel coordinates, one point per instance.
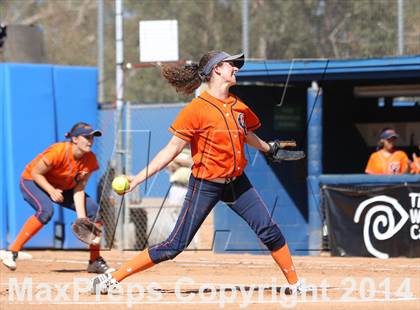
(217, 125)
(387, 160)
(59, 175)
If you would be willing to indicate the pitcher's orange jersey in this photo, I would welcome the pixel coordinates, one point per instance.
(396, 163)
(216, 130)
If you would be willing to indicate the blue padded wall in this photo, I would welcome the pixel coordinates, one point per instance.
(28, 130)
(75, 100)
(3, 208)
(39, 103)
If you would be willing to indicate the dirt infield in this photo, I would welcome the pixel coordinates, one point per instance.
(204, 280)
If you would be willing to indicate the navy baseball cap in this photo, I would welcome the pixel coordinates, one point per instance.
(388, 134)
(238, 60)
(85, 130)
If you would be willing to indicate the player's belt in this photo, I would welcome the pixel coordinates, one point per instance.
(223, 180)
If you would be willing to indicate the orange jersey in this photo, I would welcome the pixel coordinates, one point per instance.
(396, 163)
(65, 170)
(415, 165)
(216, 130)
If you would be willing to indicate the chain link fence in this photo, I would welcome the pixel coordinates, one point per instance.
(105, 152)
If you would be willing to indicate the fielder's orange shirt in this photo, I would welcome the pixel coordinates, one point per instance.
(65, 170)
(396, 163)
(216, 130)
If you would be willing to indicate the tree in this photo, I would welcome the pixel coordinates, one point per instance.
(279, 29)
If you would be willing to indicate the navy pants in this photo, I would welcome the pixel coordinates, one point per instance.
(201, 197)
(44, 206)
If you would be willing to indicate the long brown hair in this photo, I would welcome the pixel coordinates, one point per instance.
(186, 78)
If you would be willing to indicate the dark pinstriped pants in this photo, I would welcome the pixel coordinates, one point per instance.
(201, 197)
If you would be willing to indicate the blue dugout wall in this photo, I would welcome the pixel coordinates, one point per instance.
(39, 103)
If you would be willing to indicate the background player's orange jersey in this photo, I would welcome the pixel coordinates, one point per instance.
(379, 163)
(65, 170)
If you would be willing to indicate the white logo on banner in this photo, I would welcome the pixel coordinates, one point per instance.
(385, 219)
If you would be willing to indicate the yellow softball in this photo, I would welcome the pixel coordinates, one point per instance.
(120, 184)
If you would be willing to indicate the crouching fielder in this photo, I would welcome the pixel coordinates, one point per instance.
(217, 125)
(58, 176)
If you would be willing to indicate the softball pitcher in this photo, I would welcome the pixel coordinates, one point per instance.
(217, 125)
(59, 175)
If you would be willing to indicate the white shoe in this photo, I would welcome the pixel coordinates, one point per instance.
(22, 255)
(103, 284)
(9, 259)
(295, 289)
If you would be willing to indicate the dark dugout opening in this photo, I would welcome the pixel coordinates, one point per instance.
(354, 113)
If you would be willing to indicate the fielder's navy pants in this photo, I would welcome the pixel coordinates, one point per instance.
(44, 206)
(201, 197)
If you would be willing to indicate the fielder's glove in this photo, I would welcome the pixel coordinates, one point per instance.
(86, 231)
(278, 151)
